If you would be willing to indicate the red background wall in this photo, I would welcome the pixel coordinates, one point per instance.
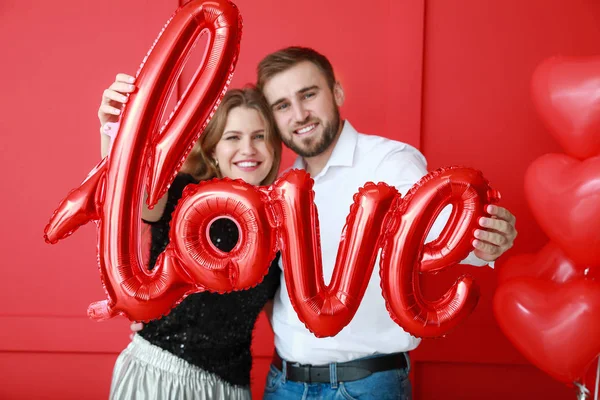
(448, 77)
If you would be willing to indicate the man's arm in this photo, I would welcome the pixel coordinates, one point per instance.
(405, 166)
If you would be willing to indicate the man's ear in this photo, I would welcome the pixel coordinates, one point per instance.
(338, 94)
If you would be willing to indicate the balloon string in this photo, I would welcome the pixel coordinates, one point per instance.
(583, 391)
(597, 380)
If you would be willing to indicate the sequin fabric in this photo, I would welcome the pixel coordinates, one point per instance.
(211, 331)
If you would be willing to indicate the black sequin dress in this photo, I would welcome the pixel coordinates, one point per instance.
(211, 331)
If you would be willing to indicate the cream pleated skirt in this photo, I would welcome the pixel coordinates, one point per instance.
(144, 371)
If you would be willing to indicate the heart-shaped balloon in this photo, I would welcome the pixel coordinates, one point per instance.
(564, 196)
(550, 264)
(556, 326)
(566, 93)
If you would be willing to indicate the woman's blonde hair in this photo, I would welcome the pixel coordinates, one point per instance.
(200, 163)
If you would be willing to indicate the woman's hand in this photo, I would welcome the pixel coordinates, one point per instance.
(114, 98)
(110, 109)
(135, 328)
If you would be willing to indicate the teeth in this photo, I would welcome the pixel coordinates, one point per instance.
(247, 164)
(306, 129)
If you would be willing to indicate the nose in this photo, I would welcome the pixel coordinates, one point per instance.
(247, 146)
(300, 112)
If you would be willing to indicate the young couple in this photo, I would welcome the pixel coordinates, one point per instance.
(201, 350)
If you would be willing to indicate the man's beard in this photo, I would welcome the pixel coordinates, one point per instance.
(314, 146)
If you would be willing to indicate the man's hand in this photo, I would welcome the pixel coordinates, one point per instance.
(498, 235)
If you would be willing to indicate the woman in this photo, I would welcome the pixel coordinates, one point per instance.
(201, 350)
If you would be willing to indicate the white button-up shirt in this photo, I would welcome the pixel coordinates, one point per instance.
(355, 160)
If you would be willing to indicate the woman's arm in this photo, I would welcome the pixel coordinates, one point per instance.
(113, 100)
(268, 309)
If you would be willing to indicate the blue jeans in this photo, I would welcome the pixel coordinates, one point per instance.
(392, 384)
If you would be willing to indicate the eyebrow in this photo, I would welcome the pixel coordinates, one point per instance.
(301, 91)
(241, 133)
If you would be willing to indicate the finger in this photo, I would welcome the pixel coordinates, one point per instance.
(485, 256)
(510, 237)
(122, 87)
(114, 96)
(494, 238)
(486, 248)
(125, 78)
(501, 213)
(109, 110)
(499, 225)
(137, 326)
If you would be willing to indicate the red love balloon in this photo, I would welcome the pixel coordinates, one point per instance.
(113, 192)
(564, 196)
(404, 256)
(285, 213)
(550, 264)
(566, 93)
(556, 326)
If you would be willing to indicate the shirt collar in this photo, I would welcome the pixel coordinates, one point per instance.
(343, 153)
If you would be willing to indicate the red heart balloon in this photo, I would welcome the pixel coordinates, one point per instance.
(556, 326)
(550, 264)
(564, 196)
(566, 93)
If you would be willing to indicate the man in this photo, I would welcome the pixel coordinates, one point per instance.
(368, 358)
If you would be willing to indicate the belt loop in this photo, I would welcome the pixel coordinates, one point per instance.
(407, 362)
(333, 375)
(283, 370)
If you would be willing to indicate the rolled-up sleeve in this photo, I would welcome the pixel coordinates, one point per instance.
(402, 168)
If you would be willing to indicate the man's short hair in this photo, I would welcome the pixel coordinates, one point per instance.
(285, 59)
